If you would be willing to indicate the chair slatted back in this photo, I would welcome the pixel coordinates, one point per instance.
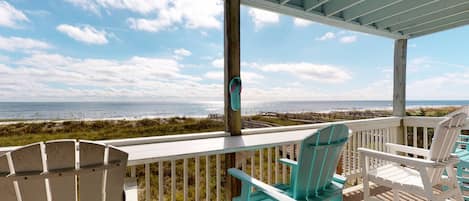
(444, 140)
(6, 188)
(63, 170)
(318, 160)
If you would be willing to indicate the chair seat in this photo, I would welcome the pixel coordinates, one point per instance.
(397, 176)
(332, 192)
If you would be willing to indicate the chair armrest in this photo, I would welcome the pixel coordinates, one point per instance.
(131, 189)
(289, 162)
(408, 149)
(339, 179)
(416, 162)
(259, 185)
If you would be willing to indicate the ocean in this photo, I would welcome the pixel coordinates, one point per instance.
(137, 110)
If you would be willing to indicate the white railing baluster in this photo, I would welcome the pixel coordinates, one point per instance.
(269, 165)
(284, 167)
(414, 140)
(243, 164)
(197, 178)
(185, 179)
(160, 181)
(207, 178)
(277, 157)
(133, 171)
(425, 138)
(261, 167)
(173, 180)
(147, 182)
(406, 141)
(253, 169)
(218, 175)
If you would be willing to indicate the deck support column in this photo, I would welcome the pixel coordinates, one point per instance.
(232, 69)
(399, 94)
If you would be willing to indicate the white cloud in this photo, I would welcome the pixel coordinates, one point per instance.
(85, 33)
(36, 77)
(327, 36)
(192, 14)
(263, 17)
(89, 5)
(218, 63)
(10, 16)
(182, 52)
(309, 71)
(302, 22)
(342, 36)
(214, 75)
(23, 44)
(348, 39)
(447, 86)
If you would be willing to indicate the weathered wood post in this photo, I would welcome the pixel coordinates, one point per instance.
(399, 94)
(232, 69)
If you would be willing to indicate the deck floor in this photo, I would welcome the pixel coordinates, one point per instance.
(382, 193)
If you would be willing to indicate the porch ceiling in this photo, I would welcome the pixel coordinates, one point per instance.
(395, 19)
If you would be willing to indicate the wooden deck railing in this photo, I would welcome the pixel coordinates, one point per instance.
(185, 176)
(192, 166)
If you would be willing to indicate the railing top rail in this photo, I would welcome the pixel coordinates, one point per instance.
(429, 122)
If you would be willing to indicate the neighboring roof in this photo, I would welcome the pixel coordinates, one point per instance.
(390, 18)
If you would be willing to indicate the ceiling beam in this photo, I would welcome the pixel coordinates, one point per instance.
(333, 7)
(426, 10)
(367, 8)
(432, 30)
(438, 23)
(430, 18)
(319, 17)
(283, 2)
(309, 5)
(394, 10)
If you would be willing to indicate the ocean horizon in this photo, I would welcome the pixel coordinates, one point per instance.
(138, 110)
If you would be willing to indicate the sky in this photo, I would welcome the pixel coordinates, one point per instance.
(172, 50)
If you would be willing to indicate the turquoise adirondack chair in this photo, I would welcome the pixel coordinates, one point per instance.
(312, 177)
(462, 151)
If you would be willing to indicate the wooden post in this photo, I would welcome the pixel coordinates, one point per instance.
(232, 69)
(399, 96)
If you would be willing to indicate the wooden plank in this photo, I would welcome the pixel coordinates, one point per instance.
(115, 176)
(28, 159)
(336, 6)
(427, 10)
(394, 10)
(91, 184)
(232, 69)
(61, 155)
(309, 5)
(367, 8)
(7, 189)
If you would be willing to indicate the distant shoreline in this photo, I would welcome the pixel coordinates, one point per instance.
(28, 121)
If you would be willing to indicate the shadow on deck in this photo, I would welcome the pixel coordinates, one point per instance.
(382, 193)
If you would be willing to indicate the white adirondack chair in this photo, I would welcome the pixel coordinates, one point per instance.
(416, 175)
(65, 170)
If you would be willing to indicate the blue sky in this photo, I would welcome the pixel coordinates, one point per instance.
(173, 50)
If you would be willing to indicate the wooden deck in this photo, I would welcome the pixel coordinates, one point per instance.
(355, 193)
